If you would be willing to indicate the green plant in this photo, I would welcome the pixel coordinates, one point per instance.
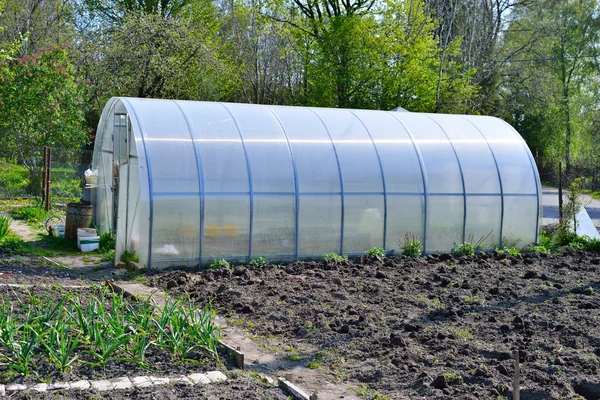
(466, 334)
(129, 256)
(15, 245)
(61, 346)
(68, 190)
(334, 257)
(411, 246)
(452, 377)
(31, 214)
(108, 256)
(108, 242)
(376, 252)
(220, 264)
(513, 251)
(258, 262)
(465, 249)
(4, 225)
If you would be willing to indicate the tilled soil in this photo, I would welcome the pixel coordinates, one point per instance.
(442, 327)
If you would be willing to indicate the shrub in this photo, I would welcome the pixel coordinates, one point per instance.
(465, 249)
(377, 252)
(14, 245)
(258, 262)
(513, 251)
(220, 264)
(334, 257)
(29, 213)
(411, 247)
(108, 241)
(4, 225)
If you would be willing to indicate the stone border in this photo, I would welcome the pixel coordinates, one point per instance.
(103, 385)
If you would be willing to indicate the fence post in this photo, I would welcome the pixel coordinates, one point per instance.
(48, 175)
(560, 193)
(44, 175)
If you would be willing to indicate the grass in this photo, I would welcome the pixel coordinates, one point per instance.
(68, 329)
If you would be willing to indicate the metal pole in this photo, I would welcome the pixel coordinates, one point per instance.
(516, 377)
(44, 175)
(48, 173)
(560, 194)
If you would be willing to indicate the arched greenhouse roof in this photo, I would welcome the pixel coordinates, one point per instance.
(185, 182)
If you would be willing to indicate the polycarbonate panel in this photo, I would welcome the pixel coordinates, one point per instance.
(363, 227)
(175, 228)
(520, 217)
(477, 163)
(484, 214)
(355, 150)
(220, 147)
(518, 176)
(226, 227)
(445, 223)
(168, 146)
(274, 226)
(441, 166)
(396, 151)
(319, 224)
(405, 216)
(313, 151)
(267, 148)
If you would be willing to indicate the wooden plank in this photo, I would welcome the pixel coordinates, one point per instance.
(294, 390)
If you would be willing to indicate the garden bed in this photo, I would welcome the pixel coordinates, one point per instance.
(439, 327)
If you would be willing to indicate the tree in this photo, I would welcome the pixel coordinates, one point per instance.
(41, 104)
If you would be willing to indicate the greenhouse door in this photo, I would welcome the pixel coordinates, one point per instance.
(121, 132)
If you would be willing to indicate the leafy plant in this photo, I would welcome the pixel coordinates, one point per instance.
(32, 214)
(108, 241)
(377, 252)
(465, 249)
(4, 225)
(220, 264)
(15, 245)
(334, 257)
(513, 251)
(411, 246)
(129, 256)
(258, 262)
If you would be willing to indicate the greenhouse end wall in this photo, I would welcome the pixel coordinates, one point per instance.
(184, 183)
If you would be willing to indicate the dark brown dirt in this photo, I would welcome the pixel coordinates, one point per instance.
(442, 327)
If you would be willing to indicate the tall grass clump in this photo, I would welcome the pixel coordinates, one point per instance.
(411, 246)
(4, 225)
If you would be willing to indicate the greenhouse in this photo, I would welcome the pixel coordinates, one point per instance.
(182, 183)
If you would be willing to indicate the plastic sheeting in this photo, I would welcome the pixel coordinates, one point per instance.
(183, 183)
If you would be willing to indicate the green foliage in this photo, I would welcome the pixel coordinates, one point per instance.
(15, 245)
(66, 190)
(465, 249)
(13, 180)
(512, 251)
(108, 256)
(31, 214)
(220, 264)
(129, 256)
(4, 225)
(108, 241)
(411, 246)
(54, 112)
(377, 252)
(334, 257)
(258, 262)
(60, 327)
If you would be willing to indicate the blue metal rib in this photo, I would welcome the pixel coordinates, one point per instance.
(250, 184)
(385, 207)
(423, 176)
(499, 179)
(462, 179)
(296, 189)
(200, 174)
(337, 159)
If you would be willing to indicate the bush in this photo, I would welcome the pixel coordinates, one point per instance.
(220, 264)
(465, 249)
(4, 225)
(377, 252)
(108, 241)
(411, 247)
(30, 214)
(513, 251)
(334, 257)
(258, 262)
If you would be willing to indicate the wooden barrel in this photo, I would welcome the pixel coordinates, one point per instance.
(79, 215)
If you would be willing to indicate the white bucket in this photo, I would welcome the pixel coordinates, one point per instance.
(89, 243)
(58, 230)
(84, 233)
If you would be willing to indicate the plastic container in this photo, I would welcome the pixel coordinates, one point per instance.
(58, 230)
(89, 243)
(84, 234)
